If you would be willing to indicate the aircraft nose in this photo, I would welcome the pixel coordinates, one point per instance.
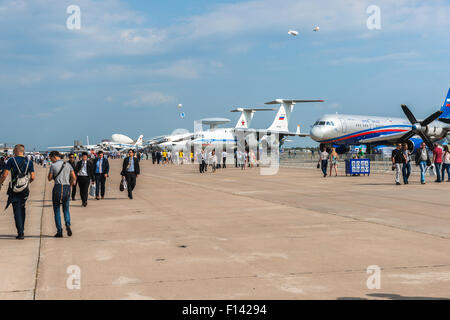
(316, 133)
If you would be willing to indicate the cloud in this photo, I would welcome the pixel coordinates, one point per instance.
(399, 56)
(67, 75)
(113, 29)
(187, 69)
(29, 79)
(44, 114)
(149, 99)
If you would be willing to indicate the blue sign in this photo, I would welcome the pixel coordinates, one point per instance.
(357, 166)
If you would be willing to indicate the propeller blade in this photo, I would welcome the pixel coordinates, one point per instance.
(409, 114)
(426, 140)
(407, 136)
(444, 120)
(431, 118)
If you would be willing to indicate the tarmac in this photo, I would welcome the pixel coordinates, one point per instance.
(234, 235)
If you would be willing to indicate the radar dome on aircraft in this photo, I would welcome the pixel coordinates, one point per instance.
(293, 33)
(316, 29)
(120, 138)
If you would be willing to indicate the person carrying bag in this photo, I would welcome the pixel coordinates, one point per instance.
(22, 174)
(23, 180)
(92, 189)
(123, 184)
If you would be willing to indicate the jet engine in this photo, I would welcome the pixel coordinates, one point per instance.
(413, 144)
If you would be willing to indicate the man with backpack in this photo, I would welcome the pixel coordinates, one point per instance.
(423, 160)
(63, 175)
(22, 174)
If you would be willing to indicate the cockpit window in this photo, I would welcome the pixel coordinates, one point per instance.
(332, 123)
(328, 123)
(321, 123)
(317, 122)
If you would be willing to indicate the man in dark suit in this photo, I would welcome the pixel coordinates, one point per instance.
(100, 167)
(73, 163)
(130, 170)
(85, 175)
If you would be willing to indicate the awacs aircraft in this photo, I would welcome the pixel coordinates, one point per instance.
(181, 140)
(226, 138)
(341, 131)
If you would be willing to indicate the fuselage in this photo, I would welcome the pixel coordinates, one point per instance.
(222, 137)
(341, 129)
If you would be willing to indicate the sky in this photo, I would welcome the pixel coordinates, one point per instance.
(132, 62)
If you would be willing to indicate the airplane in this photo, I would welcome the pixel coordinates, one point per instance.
(118, 142)
(179, 140)
(228, 138)
(78, 146)
(342, 131)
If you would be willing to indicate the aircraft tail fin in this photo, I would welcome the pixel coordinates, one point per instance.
(139, 140)
(446, 107)
(281, 121)
(247, 116)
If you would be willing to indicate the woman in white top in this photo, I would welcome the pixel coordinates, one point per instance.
(213, 160)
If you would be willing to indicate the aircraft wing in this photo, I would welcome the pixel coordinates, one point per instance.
(267, 132)
(186, 137)
(291, 134)
(289, 101)
(61, 147)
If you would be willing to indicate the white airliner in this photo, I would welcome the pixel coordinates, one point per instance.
(342, 131)
(118, 142)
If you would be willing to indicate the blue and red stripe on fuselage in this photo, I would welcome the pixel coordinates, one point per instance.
(354, 137)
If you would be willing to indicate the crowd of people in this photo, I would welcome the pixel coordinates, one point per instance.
(205, 158)
(90, 172)
(437, 162)
(168, 157)
(87, 170)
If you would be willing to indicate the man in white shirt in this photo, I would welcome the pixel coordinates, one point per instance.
(323, 159)
(85, 176)
(224, 159)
